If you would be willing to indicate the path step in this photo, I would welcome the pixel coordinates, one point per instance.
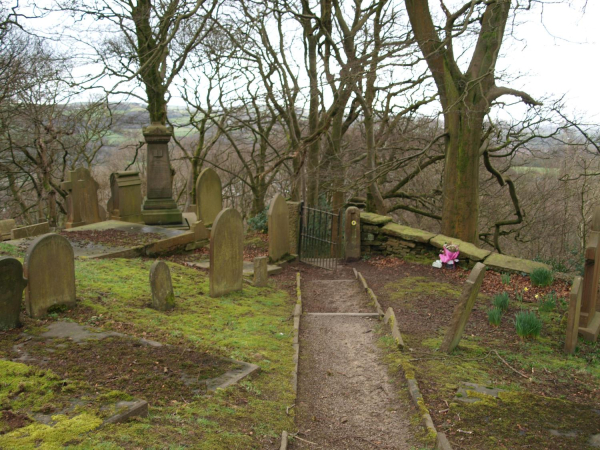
(341, 314)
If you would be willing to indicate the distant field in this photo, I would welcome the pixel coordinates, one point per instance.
(539, 170)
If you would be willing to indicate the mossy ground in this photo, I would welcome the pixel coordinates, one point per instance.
(553, 401)
(254, 326)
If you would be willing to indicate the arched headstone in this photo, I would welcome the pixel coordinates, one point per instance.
(279, 228)
(11, 293)
(226, 253)
(50, 270)
(163, 298)
(352, 234)
(209, 198)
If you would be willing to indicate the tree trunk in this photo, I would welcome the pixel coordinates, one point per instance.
(461, 173)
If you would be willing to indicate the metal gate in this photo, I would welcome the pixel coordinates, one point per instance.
(320, 237)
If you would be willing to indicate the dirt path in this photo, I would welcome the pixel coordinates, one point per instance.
(346, 399)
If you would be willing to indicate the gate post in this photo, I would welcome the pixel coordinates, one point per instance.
(352, 234)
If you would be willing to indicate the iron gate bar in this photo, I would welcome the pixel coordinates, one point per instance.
(317, 244)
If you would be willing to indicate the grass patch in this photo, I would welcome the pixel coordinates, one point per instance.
(252, 326)
(411, 287)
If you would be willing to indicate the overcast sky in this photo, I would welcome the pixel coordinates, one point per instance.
(560, 54)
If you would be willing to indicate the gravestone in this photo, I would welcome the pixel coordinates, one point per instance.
(226, 253)
(6, 227)
(201, 233)
(462, 311)
(11, 293)
(82, 201)
(209, 196)
(589, 319)
(294, 210)
(125, 203)
(352, 234)
(573, 315)
(279, 231)
(163, 298)
(159, 208)
(261, 276)
(50, 271)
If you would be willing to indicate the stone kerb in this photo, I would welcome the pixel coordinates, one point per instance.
(163, 298)
(209, 196)
(352, 234)
(30, 230)
(50, 270)
(463, 309)
(226, 253)
(11, 294)
(279, 232)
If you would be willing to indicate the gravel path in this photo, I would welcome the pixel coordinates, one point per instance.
(346, 399)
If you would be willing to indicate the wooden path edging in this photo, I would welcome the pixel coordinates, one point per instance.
(389, 318)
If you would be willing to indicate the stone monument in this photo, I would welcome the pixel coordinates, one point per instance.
(261, 272)
(163, 297)
(82, 201)
(11, 293)
(125, 203)
(6, 226)
(209, 196)
(50, 271)
(279, 231)
(159, 208)
(226, 253)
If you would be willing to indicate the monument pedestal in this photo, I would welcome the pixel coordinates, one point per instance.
(159, 208)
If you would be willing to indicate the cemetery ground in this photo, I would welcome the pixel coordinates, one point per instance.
(547, 399)
(72, 383)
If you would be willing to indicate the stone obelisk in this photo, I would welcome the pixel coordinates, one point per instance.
(159, 208)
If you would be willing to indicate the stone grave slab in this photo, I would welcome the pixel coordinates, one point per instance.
(462, 394)
(261, 274)
(226, 253)
(82, 201)
(6, 227)
(248, 270)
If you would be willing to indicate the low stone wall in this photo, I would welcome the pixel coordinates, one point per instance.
(381, 236)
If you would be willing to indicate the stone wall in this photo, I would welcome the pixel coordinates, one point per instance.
(381, 236)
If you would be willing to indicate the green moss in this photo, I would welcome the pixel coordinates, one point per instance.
(11, 250)
(411, 287)
(65, 430)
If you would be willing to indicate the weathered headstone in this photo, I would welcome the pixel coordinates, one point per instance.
(6, 227)
(12, 284)
(50, 270)
(226, 253)
(462, 311)
(30, 230)
(159, 208)
(201, 233)
(82, 201)
(209, 196)
(163, 297)
(125, 203)
(279, 232)
(261, 276)
(573, 315)
(352, 234)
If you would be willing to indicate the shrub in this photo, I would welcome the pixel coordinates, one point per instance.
(494, 316)
(541, 277)
(260, 222)
(500, 301)
(505, 278)
(528, 324)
